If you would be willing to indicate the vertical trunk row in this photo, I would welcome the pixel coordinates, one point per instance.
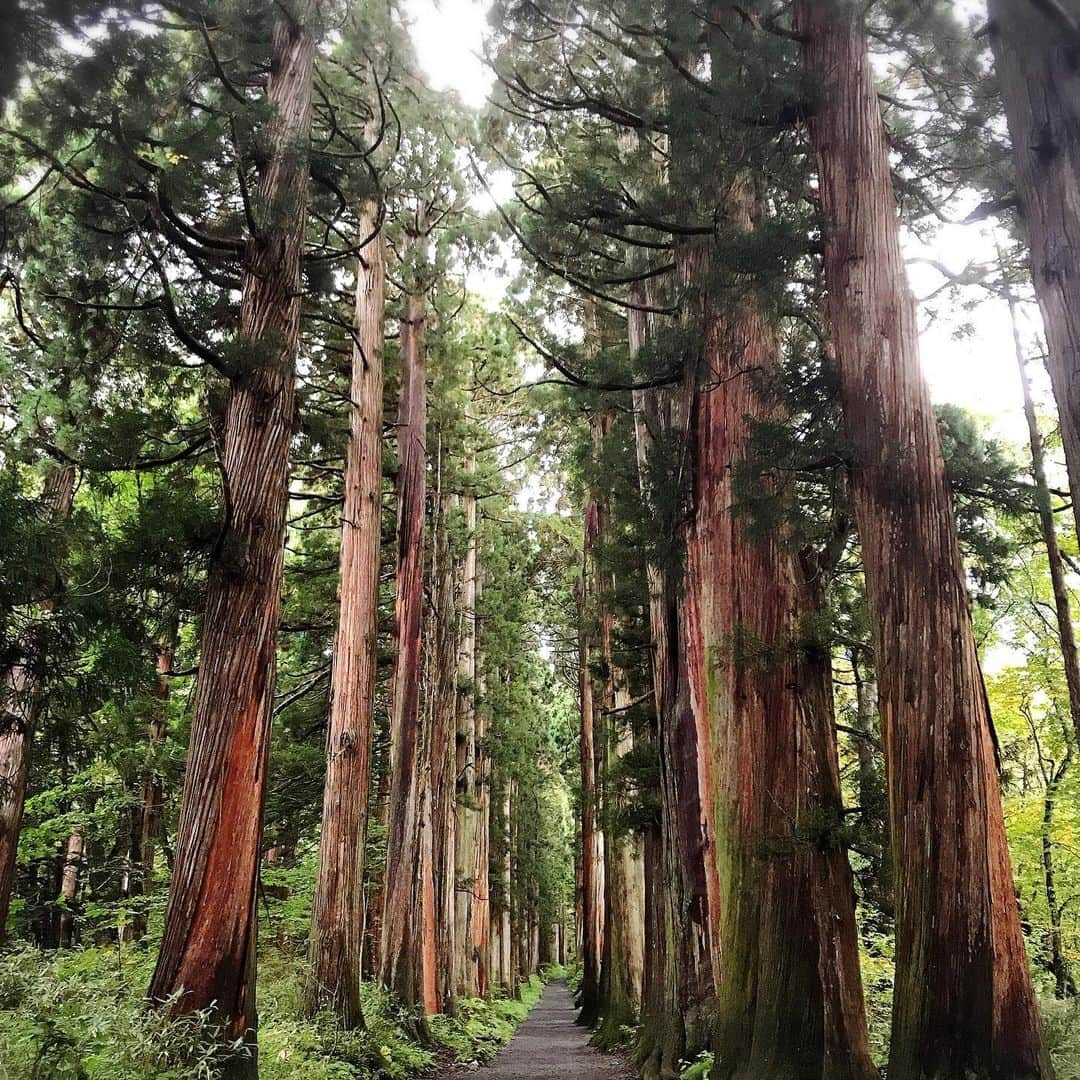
(963, 1002)
(789, 990)
(592, 842)
(443, 643)
(153, 793)
(337, 918)
(468, 816)
(504, 964)
(1040, 85)
(401, 962)
(22, 689)
(676, 1026)
(208, 946)
(622, 956)
(481, 908)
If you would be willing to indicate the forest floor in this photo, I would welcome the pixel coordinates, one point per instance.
(549, 1044)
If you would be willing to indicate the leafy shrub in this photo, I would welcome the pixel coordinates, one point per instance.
(81, 1015)
(699, 1069)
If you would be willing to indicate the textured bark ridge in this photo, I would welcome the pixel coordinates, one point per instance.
(963, 1004)
(466, 867)
(402, 961)
(592, 840)
(679, 979)
(207, 952)
(622, 956)
(441, 679)
(21, 687)
(1038, 68)
(337, 918)
(788, 985)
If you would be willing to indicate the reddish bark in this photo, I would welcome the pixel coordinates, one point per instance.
(789, 991)
(679, 1027)
(207, 956)
(20, 705)
(963, 1002)
(1040, 85)
(481, 910)
(442, 694)
(337, 917)
(402, 962)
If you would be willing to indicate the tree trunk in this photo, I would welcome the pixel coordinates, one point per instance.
(1040, 86)
(679, 1029)
(964, 1004)
(481, 909)
(401, 962)
(443, 643)
(505, 964)
(873, 798)
(622, 957)
(1064, 984)
(22, 689)
(337, 916)
(144, 818)
(1045, 510)
(789, 991)
(592, 852)
(207, 956)
(74, 854)
(468, 811)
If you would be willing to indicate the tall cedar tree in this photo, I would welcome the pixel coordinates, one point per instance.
(207, 956)
(402, 960)
(789, 991)
(1035, 46)
(963, 1004)
(337, 917)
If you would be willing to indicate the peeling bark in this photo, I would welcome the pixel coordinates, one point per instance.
(1040, 85)
(207, 956)
(964, 1004)
(402, 962)
(681, 1028)
(789, 995)
(337, 917)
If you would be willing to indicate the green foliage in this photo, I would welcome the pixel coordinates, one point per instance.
(1061, 1028)
(81, 1015)
(699, 1069)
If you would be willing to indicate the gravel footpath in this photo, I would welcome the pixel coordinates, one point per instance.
(549, 1044)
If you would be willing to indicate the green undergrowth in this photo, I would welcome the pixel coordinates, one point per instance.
(79, 1014)
(699, 1068)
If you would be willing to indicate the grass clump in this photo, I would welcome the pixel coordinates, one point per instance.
(80, 1014)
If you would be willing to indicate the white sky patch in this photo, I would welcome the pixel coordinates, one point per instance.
(449, 36)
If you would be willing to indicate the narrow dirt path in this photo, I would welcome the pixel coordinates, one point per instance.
(550, 1044)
